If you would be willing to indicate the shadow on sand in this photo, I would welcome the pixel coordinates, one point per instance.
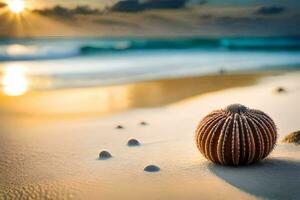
(270, 179)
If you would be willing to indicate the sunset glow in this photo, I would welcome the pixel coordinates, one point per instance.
(16, 6)
(14, 81)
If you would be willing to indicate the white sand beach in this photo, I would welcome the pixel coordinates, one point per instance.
(57, 157)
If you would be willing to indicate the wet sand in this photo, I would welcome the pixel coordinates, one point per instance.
(59, 158)
(106, 100)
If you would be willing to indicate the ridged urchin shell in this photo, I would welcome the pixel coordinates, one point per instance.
(236, 135)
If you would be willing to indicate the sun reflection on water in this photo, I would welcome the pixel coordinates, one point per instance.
(14, 80)
(20, 50)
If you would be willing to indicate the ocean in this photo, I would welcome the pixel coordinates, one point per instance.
(53, 63)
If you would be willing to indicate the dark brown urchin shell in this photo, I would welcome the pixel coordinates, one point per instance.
(236, 135)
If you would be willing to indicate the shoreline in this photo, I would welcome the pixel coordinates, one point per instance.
(106, 100)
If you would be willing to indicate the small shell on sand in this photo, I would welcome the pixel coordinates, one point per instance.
(119, 127)
(103, 155)
(293, 137)
(143, 123)
(151, 168)
(280, 90)
(133, 143)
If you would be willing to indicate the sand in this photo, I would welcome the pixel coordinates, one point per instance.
(58, 157)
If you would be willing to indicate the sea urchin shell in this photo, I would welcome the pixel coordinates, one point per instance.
(236, 135)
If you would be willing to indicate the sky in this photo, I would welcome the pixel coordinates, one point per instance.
(152, 18)
(103, 3)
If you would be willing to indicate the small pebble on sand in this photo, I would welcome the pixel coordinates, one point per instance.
(143, 123)
(280, 90)
(222, 71)
(151, 168)
(103, 155)
(119, 127)
(133, 142)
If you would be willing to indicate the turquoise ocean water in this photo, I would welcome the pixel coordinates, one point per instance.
(83, 62)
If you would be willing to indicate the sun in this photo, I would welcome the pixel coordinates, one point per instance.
(16, 6)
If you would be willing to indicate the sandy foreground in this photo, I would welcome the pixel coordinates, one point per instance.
(57, 158)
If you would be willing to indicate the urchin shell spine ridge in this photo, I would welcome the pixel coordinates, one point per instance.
(236, 135)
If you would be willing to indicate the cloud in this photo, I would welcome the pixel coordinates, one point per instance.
(164, 4)
(55, 11)
(127, 6)
(139, 5)
(60, 11)
(115, 22)
(85, 10)
(269, 10)
(120, 6)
